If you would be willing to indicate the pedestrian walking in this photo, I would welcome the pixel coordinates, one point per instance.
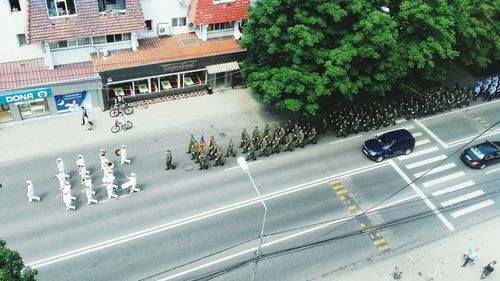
(110, 192)
(60, 167)
(132, 182)
(31, 192)
(168, 161)
(109, 178)
(85, 116)
(488, 269)
(230, 149)
(89, 192)
(471, 255)
(123, 156)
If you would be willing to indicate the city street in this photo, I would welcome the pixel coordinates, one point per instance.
(187, 224)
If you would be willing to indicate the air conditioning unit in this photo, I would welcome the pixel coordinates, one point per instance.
(164, 29)
(102, 53)
(183, 3)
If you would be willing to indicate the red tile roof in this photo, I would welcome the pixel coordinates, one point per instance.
(28, 73)
(167, 49)
(87, 22)
(206, 12)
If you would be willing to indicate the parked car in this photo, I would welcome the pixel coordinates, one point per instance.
(389, 144)
(482, 155)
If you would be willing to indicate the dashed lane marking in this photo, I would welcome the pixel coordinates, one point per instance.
(418, 153)
(426, 161)
(422, 142)
(462, 198)
(443, 179)
(436, 170)
(492, 171)
(346, 139)
(453, 188)
(472, 208)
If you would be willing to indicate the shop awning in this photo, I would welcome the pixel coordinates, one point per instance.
(223, 67)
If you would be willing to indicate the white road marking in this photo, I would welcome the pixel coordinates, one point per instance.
(458, 110)
(197, 217)
(453, 188)
(248, 163)
(418, 153)
(393, 203)
(430, 133)
(426, 161)
(492, 171)
(422, 142)
(468, 139)
(443, 179)
(417, 134)
(399, 121)
(462, 198)
(472, 208)
(436, 170)
(121, 196)
(428, 202)
(346, 139)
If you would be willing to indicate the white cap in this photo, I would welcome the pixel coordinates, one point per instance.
(28, 182)
(59, 159)
(80, 156)
(123, 146)
(103, 150)
(132, 174)
(66, 182)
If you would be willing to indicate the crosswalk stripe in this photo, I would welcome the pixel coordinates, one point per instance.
(422, 142)
(418, 153)
(462, 198)
(472, 208)
(436, 170)
(417, 134)
(426, 161)
(453, 188)
(409, 127)
(443, 179)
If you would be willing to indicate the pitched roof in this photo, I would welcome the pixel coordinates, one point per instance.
(27, 73)
(86, 23)
(206, 12)
(167, 49)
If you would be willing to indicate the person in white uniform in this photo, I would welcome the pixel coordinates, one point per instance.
(66, 189)
(67, 201)
(87, 183)
(60, 167)
(123, 156)
(62, 179)
(132, 182)
(109, 178)
(82, 171)
(103, 158)
(81, 162)
(31, 192)
(109, 190)
(88, 191)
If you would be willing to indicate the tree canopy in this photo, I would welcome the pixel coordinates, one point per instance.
(301, 51)
(12, 266)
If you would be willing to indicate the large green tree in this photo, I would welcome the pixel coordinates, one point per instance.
(301, 51)
(12, 266)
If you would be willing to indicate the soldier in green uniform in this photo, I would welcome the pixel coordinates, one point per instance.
(218, 157)
(263, 147)
(251, 152)
(289, 142)
(275, 145)
(311, 136)
(212, 147)
(256, 135)
(230, 149)
(300, 138)
(191, 141)
(168, 161)
(324, 126)
(244, 136)
(202, 159)
(194, 150)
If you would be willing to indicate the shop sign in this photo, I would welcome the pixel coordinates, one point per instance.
(25, 96)
(176, 67)
(73, 101)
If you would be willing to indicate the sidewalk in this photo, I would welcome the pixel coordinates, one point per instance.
(439, 260)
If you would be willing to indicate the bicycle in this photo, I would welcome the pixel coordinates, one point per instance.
(120, 110)
(121, 126)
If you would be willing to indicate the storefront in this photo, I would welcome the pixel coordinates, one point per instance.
(151, 81)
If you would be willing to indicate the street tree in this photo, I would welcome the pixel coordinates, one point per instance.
(12, 266)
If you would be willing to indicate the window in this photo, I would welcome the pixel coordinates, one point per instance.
(111, 38)
(176, 22)
(109, 5)
(59, 8)
(99, 40)
(21, 38)
(83, 41)
(149, 24)
(221, 26)
(14, 6)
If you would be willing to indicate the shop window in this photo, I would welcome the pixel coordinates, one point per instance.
(177, 22)
(221, 26)
(194, 78)
(5, 115)
(59, 8)
(21, 38)
(109, 5)
(168, 82)
(141, 87)
(149, 24)
(14, 6)
(34, 108)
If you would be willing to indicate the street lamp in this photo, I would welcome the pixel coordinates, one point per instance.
(244, 166)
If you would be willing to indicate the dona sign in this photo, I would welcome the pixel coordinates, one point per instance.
(25, 96)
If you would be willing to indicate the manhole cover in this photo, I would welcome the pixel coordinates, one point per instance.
(189, 41)
(188, 167)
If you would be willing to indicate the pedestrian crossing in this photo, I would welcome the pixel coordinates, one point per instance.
(446, 183)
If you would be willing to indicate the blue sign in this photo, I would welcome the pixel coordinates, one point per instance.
(73, 102)
(25, 96)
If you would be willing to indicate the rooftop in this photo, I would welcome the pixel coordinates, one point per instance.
(29, 73)
(206, 12)
(167, 49)
(87, 22)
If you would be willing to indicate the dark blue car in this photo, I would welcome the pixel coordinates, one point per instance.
(482, 155)
(389, 144)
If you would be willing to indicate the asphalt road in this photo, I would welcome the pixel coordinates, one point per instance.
(187, 224)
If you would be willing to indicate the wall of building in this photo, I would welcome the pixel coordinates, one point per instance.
(162, 11)
(14, 23)
(73, 55)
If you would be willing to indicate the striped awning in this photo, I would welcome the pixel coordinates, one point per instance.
(223, 67)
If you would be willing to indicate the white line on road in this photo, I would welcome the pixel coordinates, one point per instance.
(422, 142)
(457, 110)
(468, 139)
(418, 153)
(436, 170)
(443, 179)
(472, 208)
(248, 163)
(417, 134)
(358, 136)
(422, 196)
(121, 196)
(462, 198)
(399, 121)
(453, 188)
(426, 161)
(492, 171)
(430, 133)
(197, 217)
